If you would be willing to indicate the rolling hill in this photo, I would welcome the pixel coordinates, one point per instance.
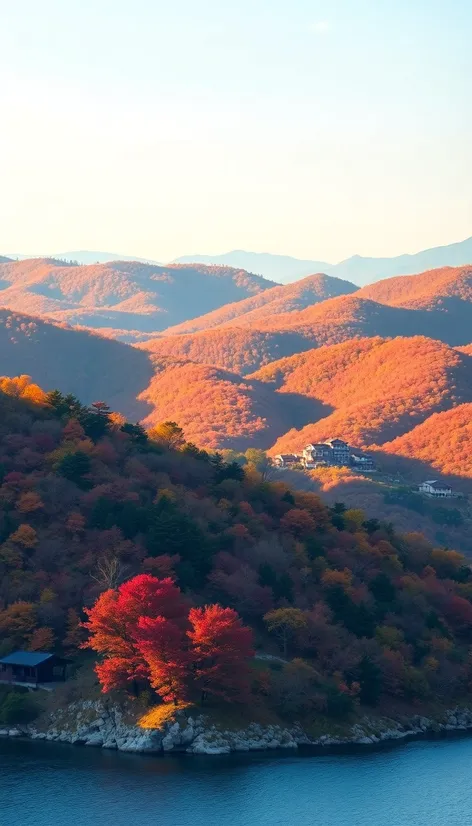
(244, 347)
(240, 350)
(442, 443)
(122, 295)
(265, 305)
(378, 389)
(76, 361)
(281, 368)
(442, 289)
(84, 257)
(216, 408)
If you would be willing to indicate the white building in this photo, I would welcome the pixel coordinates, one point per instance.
(334, 452)
(435, 488)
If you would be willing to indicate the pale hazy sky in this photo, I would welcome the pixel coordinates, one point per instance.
(315, 129)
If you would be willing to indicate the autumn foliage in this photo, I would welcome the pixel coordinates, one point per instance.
(220, 647)
(146, 533)
(144, 632)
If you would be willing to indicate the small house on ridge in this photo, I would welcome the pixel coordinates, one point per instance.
(434, 488)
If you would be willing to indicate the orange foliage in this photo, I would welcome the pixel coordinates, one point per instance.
(442, 441)
(289, 297)
(214, 408)
(426, 290)
(29, 502)
(22, 387)
(124, 292)
(25, 535)
(378, 388)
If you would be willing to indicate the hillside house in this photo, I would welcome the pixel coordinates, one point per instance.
(283, 460)
(437, 489)
(334, 452)
(341, 452)
(314, 454)
(31, 668)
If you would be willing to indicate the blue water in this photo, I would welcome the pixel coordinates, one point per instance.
(417, 784)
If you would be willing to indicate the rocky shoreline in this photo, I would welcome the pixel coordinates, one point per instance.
(95, 724)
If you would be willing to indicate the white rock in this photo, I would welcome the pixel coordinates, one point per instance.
(168, 742)
(94, 740)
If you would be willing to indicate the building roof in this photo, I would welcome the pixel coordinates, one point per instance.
(31, 658)
(433, 483)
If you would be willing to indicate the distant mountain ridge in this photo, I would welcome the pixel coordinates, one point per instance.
(82, 257)
(285, 269)
(365, 271)
(358, 269)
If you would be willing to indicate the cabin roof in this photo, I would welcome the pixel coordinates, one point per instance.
(438, 485)
(31, 658)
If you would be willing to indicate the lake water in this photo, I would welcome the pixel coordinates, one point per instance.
(427, 783)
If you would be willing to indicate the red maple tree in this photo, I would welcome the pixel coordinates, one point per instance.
(163, 646)
(221, 649)
(113, 623)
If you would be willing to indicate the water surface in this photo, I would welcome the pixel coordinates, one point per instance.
(427, 783)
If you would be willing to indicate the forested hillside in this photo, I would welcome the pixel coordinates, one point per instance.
(281, 369)
(377, 388)
(126, 295)
(356, 612)
(303, 293)
(76, 360)
(441, 289)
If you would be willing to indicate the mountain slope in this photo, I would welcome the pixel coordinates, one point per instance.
(435, 289)
(286, 298)
(441, 442)
(77, 508)
(123, 295)
(246, 348)
(77, 361)
(378, 389)
(216, 408)
(240, 350)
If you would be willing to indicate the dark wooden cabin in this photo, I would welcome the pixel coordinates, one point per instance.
(32, 668)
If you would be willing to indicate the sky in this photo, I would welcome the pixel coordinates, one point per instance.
(158, 129)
